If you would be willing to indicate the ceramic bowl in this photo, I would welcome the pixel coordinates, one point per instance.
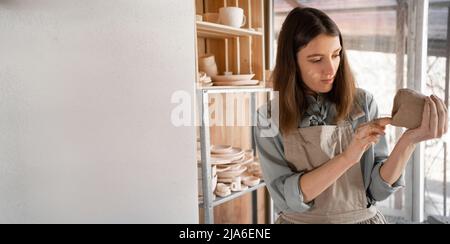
(251, 181)
(222, 190)
(233, 173)
(225, 180)
(220, 161)
(234, 154)
(228, 78)
(223, 169)
(237, 83)
(221, 149)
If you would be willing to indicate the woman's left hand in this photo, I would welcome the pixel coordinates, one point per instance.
(434, 122)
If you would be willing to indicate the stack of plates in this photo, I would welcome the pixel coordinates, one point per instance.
(235, 80)
(226, 154)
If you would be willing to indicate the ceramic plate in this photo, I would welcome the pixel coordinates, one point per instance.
(221, 149)
(234, 154)
(237, 83)
(222, 78)
(231, 174)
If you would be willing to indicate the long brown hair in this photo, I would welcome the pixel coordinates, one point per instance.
(300, 27)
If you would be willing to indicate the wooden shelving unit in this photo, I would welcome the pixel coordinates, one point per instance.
(237, 50)
(240, 51)
(221, 200)
(212, 30)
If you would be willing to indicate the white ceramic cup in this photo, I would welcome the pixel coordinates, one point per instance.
(232, 16)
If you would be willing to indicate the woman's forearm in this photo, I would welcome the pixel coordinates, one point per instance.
(317, 181)
(394, 166)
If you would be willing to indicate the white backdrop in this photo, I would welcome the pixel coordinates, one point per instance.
(85, 131)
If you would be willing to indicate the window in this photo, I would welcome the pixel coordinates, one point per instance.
(375, 36)
(436, 162)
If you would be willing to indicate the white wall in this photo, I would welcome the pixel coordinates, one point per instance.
(85, 131)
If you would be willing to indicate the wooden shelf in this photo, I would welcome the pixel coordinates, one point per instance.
(212, 30)
(235, 89)
(241, 51)
(234, 195)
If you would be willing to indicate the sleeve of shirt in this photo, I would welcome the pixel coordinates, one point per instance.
(281, 181)
(378, 188)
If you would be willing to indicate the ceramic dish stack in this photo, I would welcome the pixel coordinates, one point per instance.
(233, 168)
(234, 80)
(253, 175)
(254, 169)
(225, 154)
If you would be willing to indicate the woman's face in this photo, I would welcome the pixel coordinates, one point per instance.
(319, 62)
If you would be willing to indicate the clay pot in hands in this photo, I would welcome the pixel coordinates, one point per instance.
(408, 109)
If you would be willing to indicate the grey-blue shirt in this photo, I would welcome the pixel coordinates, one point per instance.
(283, 183)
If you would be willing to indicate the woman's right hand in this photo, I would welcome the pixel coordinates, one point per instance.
(434, 122)
(366, 135)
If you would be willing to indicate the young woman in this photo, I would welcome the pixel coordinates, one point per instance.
(329, 163)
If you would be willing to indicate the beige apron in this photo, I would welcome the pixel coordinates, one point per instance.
(343, 202)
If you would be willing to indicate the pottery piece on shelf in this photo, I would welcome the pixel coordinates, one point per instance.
(237, 83)
(251, 181)
(227, 73)
(207, 64)
(237, 186)
(223, 169)
(245, 160)
(221, 149)
(236, 167)
(213, 170)
(214, 183)
(224, 160)
(233, 173)
(224, 194)
(222, 190)
(204, 78)
(230, 157)
(225, 180)
(220, 161)
(209, 84)
(232, 16)
(255, 169)
(227, 78)
(233, 153)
